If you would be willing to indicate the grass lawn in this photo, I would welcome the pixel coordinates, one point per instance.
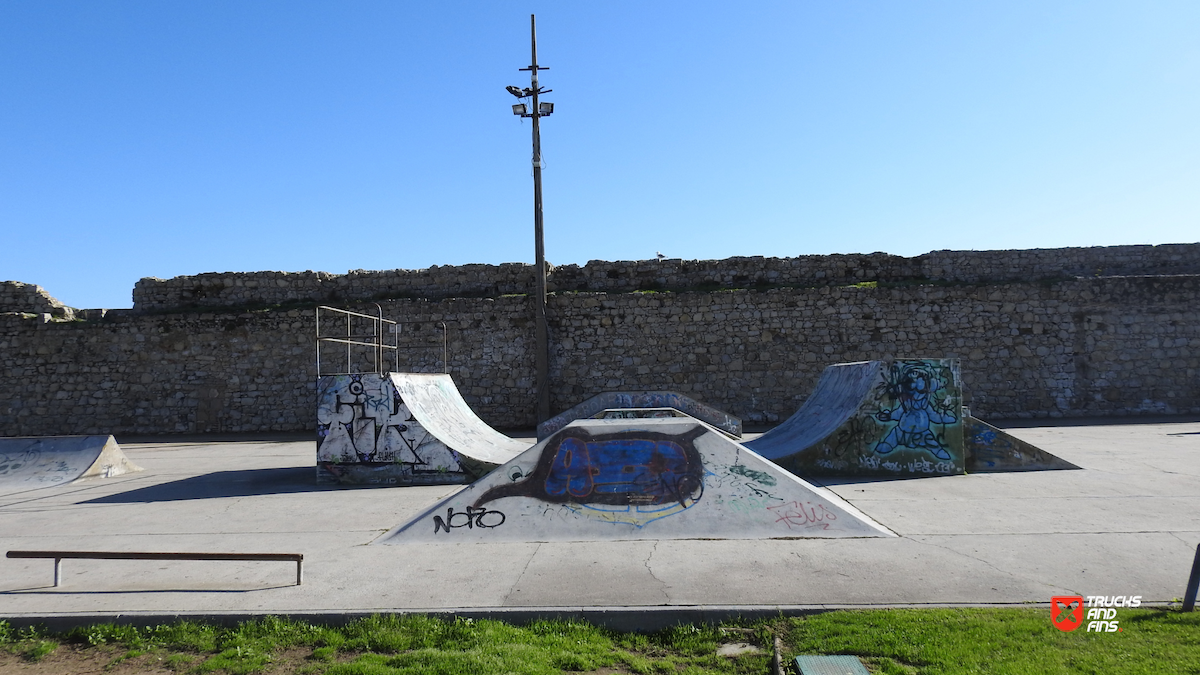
(913, 641)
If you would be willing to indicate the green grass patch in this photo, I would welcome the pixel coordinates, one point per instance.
(893, 642)
(37, 650)
(178, 662)
(1003, 641)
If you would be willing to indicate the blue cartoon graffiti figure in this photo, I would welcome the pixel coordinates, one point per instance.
(913, 386)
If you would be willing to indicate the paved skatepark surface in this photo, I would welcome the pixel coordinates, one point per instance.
(1127, 524)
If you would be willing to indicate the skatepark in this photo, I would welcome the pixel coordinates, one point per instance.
(881, 334)
(645, 500)
(1127, 523)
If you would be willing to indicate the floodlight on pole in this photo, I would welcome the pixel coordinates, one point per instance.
(536, 111)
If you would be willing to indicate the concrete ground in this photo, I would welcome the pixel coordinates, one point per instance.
(1127, 524)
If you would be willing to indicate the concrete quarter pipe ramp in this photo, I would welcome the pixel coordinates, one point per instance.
(875, 418)
(29, 463)
(599, 480)
(402, 429)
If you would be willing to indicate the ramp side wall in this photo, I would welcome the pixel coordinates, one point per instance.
(1101, 346)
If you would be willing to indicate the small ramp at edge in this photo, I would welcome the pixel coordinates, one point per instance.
(992, 450)
(31, 462)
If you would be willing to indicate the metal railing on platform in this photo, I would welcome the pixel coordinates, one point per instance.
(373, 338)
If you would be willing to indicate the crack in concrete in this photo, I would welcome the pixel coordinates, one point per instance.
(653, 550)
(1185, 541)
(987, 563)
(1177, 473)
(513, 589)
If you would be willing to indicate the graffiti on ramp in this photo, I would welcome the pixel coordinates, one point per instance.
(900, 418)
(670, 478)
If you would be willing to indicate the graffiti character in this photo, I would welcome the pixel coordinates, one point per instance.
(641, 468)
(914, 413)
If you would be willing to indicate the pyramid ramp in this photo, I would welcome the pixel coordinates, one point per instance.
(28, 463)
(897, 419)
(642, 399)
(402, 429)
(601, 480)
(991, 450)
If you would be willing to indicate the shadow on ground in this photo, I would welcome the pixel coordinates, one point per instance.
(246, 483)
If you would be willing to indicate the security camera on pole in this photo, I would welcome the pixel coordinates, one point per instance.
(539, 110)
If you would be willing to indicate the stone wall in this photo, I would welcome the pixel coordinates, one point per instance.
(230, 372)
(1078, 347)
(20, 297)
(262, 289)
(1113, 346)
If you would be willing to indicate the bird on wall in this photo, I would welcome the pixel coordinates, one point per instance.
(659, 255)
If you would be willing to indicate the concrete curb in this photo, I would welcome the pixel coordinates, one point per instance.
(625, 619)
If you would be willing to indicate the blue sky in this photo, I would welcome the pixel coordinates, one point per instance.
(167, 138)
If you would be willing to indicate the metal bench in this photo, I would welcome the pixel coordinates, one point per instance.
(59, 556)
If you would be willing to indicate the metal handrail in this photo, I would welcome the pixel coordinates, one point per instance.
(373, 340)
(350, 339)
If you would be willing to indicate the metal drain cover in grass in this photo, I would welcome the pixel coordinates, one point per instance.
(830, 665)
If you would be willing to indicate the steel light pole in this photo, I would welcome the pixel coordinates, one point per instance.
(539, 110)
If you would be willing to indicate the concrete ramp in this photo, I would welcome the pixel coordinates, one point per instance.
(436, 403)
(28, 463)
(601, 480)
(402, 429)
(991, 450)
(642, 399)
(894, 419)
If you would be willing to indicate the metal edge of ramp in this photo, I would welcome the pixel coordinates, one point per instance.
(648, 399)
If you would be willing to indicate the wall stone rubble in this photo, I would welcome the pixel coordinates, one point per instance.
(260, 289)
(21, 297)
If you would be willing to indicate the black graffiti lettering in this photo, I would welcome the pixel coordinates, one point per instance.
(471, 518)
(439, 524)
(494, 519)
